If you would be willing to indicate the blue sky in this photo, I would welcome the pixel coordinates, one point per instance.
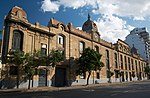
(114, 18)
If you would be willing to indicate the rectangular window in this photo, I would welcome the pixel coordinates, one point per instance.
(44, 49)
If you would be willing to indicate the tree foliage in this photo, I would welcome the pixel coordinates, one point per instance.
(89, 60)
(147, 71)
(54, 57)
(32, 63)
(17, 58)
(39, 59)
(110, 73)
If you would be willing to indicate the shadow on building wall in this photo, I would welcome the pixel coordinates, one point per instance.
(10, 81)
(64, 75)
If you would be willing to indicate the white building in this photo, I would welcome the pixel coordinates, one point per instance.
(139, 37)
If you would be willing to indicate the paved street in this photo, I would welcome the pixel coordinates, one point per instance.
(124, 90)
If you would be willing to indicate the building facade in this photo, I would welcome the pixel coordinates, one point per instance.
(139, 37)
(18, 33)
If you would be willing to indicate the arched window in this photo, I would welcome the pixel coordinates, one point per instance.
(115, 56)
(107, 59)
(129, 65)
(139, 66)
(43, 49)
(136, 65)
(107, 64)
(121, 61)
(125, 61)
(17, 41)
(132, 64)
(61, 40)
(62, 43)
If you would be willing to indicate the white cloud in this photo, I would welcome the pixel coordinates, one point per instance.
(111, 22)
(75, 4)
(80, 28)
(138, 9)
(47, 6)
(53, 6)
(111, 28)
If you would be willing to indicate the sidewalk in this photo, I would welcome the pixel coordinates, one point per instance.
(36, 89)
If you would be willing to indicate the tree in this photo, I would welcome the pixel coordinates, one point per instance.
(17, 58)
(39, 59)
(89, 60)
(147, 71)
(110, 74)
(54, 57)
(32, 62)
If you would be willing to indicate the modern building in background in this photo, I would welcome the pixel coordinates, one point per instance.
(125, 63)
(139, 38)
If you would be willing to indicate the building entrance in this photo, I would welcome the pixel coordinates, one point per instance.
(60, 77)
(42, 77)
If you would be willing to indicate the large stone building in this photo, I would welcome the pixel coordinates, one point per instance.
(18, 33)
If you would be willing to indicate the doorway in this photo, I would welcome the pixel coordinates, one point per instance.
(60, 77)
(42, 77)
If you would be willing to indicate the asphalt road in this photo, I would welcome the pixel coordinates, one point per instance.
(123, 90)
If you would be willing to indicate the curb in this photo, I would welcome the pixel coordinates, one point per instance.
(42, 89)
